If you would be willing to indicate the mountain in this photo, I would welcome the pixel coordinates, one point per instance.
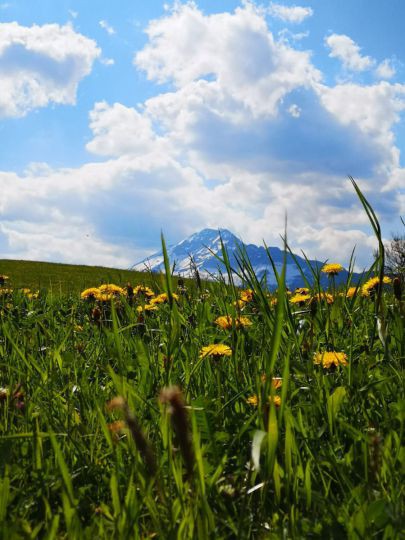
(202, 247)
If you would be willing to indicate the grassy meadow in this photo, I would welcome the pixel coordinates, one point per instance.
(65, 279)
(200, 410)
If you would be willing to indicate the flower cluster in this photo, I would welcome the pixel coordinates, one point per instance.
(226, 322)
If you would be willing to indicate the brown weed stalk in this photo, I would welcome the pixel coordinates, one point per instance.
(174, 398)
(141, 442)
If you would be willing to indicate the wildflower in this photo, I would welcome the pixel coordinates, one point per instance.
(146, 307)
(163, 298)
(30, 295)
(276, 382)
(332, 269)
(142, 290)
(6, 292)
(105, 297)
(215, 350)
(327, 359)
(90, 294)
(3, 279)
(239, 304)
(246, 295)
(371, 285)
(322, 296)
(300, 299)
(226, 322)
(253, 400)
(301, 290)
(351, 291)
(110, 288)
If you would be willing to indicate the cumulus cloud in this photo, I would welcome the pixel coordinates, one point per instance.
(348, 52)
(291, 14)
(245, 130)
(235, 51)
(41, 65)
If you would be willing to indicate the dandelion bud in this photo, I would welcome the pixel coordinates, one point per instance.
(174, 398)
(96, 315)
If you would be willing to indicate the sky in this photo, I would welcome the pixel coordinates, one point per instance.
(121, 120)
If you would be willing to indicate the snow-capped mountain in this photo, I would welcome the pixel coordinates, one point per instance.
(200, 250)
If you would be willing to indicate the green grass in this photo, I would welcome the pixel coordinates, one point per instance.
(65, 278)
(192, 457)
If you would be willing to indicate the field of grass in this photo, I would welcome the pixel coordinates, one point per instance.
(119, 418)
(64, 278)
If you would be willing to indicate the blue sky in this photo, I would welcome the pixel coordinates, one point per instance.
(117, 121)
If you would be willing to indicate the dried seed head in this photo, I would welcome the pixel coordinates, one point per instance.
(173, 397)
(117, 403)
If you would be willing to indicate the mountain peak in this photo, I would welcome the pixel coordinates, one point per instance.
(203, 250)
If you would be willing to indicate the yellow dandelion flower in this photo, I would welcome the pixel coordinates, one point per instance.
(145, 308)
(372, 284)
(253, 400)
(90, 294)
(3, 279)
(246, 295)
(5, 292)
(276, 382)
(105, 297)
(332, 269)
(351, 291)
(163, 298)
(323, 297)
(110, 288)
(300, 299)
(226, 322)
(301, 290)
(327, 359)
(142, 290)
(239, 304)
(215, 350)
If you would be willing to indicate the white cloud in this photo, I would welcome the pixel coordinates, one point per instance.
(107, 61)
(40, 65)
(291, 14)
(348, 52)
(294, 110)
(385, 70)
(107, 27)
(235, 50)
(73, 14)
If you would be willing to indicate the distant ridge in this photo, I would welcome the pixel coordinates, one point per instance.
(201, 247)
